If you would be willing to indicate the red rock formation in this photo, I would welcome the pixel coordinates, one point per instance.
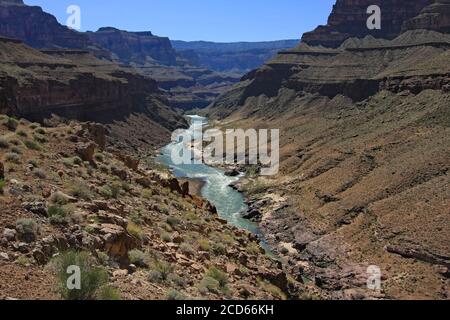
(349, 19)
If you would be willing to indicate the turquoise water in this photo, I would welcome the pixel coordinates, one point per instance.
(229, 203)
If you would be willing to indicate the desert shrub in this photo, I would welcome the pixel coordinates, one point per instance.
(27, 229)
(164, 269)
(16, 149)
(33, 125)
(11, 123)
(187, 249)
(219, 249)
(147, 194)
(40, 138)
(33, 163)
(166, 237)
(253, 248)
(56, 214)
(135, 230)
(32, 145)
(209, 284)
(2, 185)
(4, 144)
(204, 244)
(112, 191)
(93, 277)
(77, 161)
(99, 157)
(80, 190)
(125, 186)
(59, 198)
(173, 221)
(136, 218)
(218, 275)
(15, 142)
(104, 168)
(108, 293)
(12, 157)
(39, 173)
(272, 289)
(177, 280)
(138, 258)
(174, 295)
(22, 133)
(40, 131)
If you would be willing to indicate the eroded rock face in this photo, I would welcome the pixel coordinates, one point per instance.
(135, 46)
(433, 17)
(20, 21)
(349, 19)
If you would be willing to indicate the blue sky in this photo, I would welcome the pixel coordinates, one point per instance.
(213, 20)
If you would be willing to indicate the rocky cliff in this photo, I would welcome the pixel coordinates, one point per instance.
(37, 28)
(349, 19)
(363, 148)
(136, 47)
(433, 17)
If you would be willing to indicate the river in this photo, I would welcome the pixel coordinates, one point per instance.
(229, 203)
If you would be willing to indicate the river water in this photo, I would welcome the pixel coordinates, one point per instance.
(229, 203)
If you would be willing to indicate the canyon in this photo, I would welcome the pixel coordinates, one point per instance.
(364, 126)
(364, 134)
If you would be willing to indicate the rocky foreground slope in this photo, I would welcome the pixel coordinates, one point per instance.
(139, 234)
(364, 159)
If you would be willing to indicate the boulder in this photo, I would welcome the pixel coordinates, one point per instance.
(9, 234)
(36, 207)
(86, 151)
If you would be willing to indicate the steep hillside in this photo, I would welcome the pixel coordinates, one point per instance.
(364, 160)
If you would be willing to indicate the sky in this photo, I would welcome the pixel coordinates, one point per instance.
(209, 20)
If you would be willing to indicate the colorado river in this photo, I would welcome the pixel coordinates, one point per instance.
(229, 203)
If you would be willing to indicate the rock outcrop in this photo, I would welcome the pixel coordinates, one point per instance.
(136, 47)
(349, 19)
(37, 28)
(433, 17)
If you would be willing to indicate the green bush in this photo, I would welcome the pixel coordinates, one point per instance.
(138, 258)
(22, 133)
(163, 268)
(59, 198)
(33, 125)
(40, 131)
(16, 150)
(166, 237)
(2, 185)
(93, 277)
(108, 293)
(4, 144)
(11, 123)
(39, 173)
(209, 284)
(80, 190)
(99, 157)
(15, 142)
(57, 214)
(173, 221)
(32, 145)
(12, 157)
(174, 295)
(187, 249)
(27, 229)
(219, 249)
(218, 275)
(111, 192)
(204, 244)
(40, 138)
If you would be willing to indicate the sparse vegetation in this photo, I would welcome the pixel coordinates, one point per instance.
(138, 258)
(187, 249)
(11, 123)
(4, 144)
(2, 185)
(12, 157)
(27, 229)
(22, 133)
(80, 190)
(59, 198)
(99, 157)
(32, 145)
(135, 230)
(174, 295)
(39, 173)
(94, 278)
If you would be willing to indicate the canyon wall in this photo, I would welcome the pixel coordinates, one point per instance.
(348, 19)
